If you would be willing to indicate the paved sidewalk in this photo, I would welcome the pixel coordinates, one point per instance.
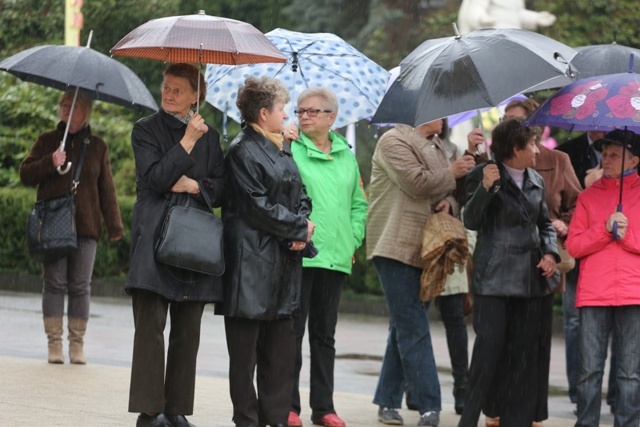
(35, 393)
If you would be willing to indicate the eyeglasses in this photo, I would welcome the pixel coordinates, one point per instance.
(311, 112)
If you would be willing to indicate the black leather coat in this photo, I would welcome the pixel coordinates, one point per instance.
(266, 207)
(160, 162)
(514, 230)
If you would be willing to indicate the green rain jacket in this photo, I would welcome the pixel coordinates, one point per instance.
(339, 203)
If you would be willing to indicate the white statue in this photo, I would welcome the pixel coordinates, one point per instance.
(476, 14)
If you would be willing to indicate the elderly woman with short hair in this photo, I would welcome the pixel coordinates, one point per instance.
(266, 228)
(515, 253)
(330, 174)
(178, 156)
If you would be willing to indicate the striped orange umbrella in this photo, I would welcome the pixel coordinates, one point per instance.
(198, 39)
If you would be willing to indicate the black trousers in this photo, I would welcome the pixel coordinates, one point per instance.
(153, 388)
(320, 298)
(269, 346)
(507, 361)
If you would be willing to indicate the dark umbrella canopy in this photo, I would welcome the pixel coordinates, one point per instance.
(480, 69)
(198, 39)
(600, 59)
(65, 67)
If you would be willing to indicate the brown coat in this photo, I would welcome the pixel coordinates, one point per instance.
(96, 194)
(409, 177)
(560, 181)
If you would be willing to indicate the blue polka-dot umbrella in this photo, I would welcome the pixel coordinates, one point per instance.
(319, 59)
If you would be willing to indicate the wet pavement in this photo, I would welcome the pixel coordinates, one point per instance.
(35, 393)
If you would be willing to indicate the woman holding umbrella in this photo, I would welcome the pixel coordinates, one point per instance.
(411, 177)
(515, 253)
(95, 199)
(177, 156)
(608, 296)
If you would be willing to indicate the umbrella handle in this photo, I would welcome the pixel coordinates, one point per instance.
(65, 170)
(614, 228)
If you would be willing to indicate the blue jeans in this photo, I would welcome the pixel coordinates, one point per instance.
(408, 359)
(571, 330)
(595, 326)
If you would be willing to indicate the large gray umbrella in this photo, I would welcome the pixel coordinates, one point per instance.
(66, 67)
(480, 69)
(601, 59)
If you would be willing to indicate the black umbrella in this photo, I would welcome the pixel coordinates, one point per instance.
(600, 59)
(67, 67)
(480, 69)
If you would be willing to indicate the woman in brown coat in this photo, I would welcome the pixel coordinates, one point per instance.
(95, 199)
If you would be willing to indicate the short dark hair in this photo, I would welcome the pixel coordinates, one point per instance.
(258, 93)
(192, 74)
(509, 135)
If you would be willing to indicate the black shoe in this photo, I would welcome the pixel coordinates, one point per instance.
(157, 420)
(178, 420)
(458, 396)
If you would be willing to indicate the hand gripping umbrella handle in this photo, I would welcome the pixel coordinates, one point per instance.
(614, 228)
(66, 132)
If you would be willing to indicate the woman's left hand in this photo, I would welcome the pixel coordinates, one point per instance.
(548, 265)
(290, 132)
(560, 227)
(186, 185)
(297, 246)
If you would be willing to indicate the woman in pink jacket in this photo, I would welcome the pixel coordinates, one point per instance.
(608, 295)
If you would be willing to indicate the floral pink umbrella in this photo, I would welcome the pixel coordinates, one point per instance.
(596, 103)
(605, 103)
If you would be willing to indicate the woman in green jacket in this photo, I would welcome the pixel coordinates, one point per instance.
(330, 173)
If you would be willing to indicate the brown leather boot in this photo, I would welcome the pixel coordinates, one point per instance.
(77, 328)
(53, 329)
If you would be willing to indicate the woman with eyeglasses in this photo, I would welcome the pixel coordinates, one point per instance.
(331, 176)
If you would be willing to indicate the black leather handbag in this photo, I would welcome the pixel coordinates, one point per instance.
(51, 225)
(191, 239)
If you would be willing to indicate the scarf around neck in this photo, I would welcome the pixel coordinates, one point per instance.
(276, 138)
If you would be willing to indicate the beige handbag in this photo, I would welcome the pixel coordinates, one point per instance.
(567, 262)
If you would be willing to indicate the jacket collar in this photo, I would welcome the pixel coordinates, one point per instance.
(338, 143)
(627, 181)
(268, 147)
(531, 179)
(170, 120)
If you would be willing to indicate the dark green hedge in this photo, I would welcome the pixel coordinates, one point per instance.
(112, 259)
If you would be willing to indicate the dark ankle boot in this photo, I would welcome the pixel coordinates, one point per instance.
(178, 420)
(458, 396)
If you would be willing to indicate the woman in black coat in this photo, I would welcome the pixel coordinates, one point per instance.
(177, 155)
(266, 228)
(515, 254)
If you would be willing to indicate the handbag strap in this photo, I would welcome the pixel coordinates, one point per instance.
(76, 179)
(205, 195)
